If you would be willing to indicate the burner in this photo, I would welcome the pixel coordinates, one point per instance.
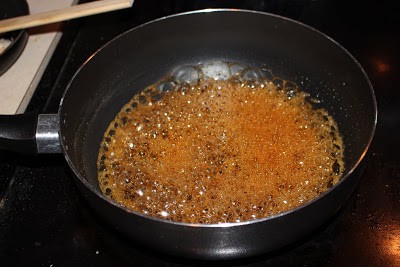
(13, 42)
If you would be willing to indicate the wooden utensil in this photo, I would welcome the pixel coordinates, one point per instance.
(72, 12)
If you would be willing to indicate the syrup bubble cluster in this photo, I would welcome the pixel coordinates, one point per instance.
(220, 142)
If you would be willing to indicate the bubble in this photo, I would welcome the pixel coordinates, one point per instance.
(124, 120)
(330, 183)
(236, 69)
(290, 94)
(217, 71)
(108, 191)
(337, 146)
(102, 168)
(290, 86)
(111, 132)
(142, 100)
(156, 97)
(251, 76)
(266, 75)
(278, 83)
(167, 86)
(186, 74)
(336, 168)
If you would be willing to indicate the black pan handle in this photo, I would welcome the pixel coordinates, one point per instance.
(30, 133)
(18, 132)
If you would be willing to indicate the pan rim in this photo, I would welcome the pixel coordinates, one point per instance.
(229, 224)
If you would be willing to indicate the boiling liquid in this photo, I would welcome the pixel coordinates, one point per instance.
(219, 152)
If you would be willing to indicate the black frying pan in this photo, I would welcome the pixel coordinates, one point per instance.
(10, 9)
(148, 53)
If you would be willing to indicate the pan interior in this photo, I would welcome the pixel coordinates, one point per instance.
(147, 54)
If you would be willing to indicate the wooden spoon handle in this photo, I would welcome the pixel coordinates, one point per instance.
(72, 12)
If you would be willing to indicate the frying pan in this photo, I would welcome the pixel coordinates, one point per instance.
(146, 54)
(10, 9)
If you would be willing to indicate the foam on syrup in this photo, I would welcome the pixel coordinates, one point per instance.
(220, 151)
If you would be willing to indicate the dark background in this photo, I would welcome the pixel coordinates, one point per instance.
(45, 222)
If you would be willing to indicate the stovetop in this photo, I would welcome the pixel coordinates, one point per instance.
(44, 220)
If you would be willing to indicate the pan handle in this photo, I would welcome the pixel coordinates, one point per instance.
(30, 133)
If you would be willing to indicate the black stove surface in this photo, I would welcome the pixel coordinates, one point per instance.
(44, 221)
